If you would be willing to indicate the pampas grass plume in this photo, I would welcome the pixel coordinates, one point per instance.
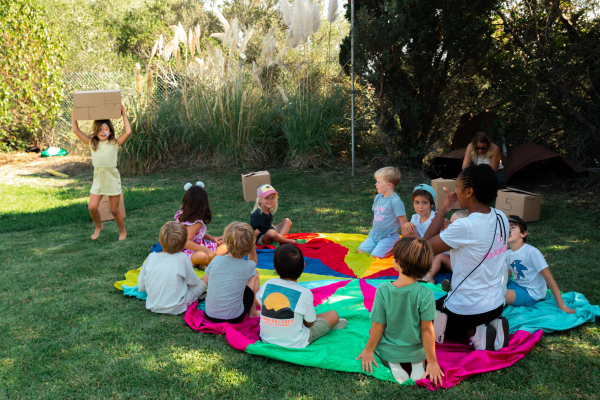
(246, 40)
(178, 55)
(316, 16)
(333, 11)
(138, 79)
(235, 34)
(191, 43)
(149, 83)
(219, 36)
(160, 44)
(221, 19)
(154, 49)
(282, 93)
(182, 34)
(308, 20)
(286, 12)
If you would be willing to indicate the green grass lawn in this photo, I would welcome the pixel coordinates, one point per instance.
(66, 332)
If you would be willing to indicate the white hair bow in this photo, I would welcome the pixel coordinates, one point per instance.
(189, 185)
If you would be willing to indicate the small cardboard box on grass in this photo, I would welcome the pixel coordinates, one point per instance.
(514, 201)
(97, 104)
(438, 186)
(104, 208)
(252, 181)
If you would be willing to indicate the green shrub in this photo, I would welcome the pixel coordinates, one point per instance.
(30, 73)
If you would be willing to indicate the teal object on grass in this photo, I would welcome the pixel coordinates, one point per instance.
(54, 151)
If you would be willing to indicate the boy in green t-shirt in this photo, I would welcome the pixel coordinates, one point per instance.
(403, 313)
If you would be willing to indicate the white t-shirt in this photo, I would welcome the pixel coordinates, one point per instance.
(526, 265)
(165, 278)
(422, 227)
(470, 239)
(284, 307)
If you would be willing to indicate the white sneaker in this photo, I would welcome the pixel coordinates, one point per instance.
(502, 332)
(418, 371)
(439, 326)
(484, 337)
(400, 375)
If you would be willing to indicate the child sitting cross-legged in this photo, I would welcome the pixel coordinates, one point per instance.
(168, 278)
(402, 314)
(287, 315)
(233, 281)
(529, 270)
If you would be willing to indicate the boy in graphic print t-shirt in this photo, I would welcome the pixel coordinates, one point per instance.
(287, 316)
(531, 275)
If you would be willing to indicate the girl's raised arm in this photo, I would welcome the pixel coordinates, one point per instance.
(75, 126)
(123, 138)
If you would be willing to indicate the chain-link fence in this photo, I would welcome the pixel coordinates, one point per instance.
(62, 135)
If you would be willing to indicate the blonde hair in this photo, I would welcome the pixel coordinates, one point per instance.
(414, 256)
(389, 174)
(173, 237)
(273, 209)
(481, 137)
(240, 238)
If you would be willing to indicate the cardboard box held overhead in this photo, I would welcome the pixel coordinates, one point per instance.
(438, 186)
(104, 208)
(252, 181)
(97, 104)
(518, 202)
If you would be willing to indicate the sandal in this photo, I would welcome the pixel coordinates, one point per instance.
(426, 279)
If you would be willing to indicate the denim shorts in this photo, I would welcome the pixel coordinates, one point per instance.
(380, 248)
(522, 297)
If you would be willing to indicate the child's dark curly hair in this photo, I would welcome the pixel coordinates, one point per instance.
(483, 180)
(195, 206)
(414, 256)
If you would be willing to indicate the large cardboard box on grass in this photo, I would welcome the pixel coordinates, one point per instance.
(97, 104)
(514, 201)
(104, 208)
(252, 181)
(438, 186)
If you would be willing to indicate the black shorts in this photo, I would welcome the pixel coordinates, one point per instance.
(458, 325)
(248, 301)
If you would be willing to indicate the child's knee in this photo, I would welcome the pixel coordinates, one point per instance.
(115, 212)
(92, 208)
(287, 221)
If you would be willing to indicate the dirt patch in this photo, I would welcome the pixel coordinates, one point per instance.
(16, 167)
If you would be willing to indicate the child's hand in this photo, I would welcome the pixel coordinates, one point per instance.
(257, 232)
(219, 240)
(211, 254)
(434, 372)
(368, 358)
(567, 309)
(409, 226)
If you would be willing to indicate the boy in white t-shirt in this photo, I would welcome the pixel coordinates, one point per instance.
(168, 278)
(529, 270)
(287, 315)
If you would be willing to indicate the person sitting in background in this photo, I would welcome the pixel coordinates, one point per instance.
(480, 151)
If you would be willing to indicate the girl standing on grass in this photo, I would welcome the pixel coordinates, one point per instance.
(104, 146)
(261, 219)
(194, 214)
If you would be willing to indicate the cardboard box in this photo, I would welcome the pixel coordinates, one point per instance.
(514, 201)
(104, 208)
(97, 104)
(252, 181)
(438, 186)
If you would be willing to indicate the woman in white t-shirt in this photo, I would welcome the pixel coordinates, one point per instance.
(477, 246)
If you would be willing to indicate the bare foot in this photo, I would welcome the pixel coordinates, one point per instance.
(123, 236)
(97, 232)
